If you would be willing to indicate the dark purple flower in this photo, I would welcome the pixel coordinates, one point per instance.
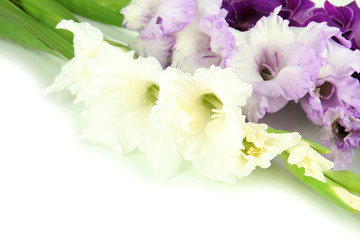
(243, 14)
(346, 18)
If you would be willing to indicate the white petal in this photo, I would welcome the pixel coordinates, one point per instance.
(87, 39)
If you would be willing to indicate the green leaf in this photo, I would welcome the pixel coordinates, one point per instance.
(92, 9)
(347, 179)
(318, 147)
(323, 189)
(49, 13)
(114, 5)
(48, 36)
(116, 44)
(15, 33)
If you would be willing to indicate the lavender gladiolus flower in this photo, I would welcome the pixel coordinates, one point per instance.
(206, 41)
(278, 61)
(335, 86)
(157, 21)
(341, 133)
(331, 93)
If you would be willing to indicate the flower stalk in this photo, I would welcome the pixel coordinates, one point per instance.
(325, 189)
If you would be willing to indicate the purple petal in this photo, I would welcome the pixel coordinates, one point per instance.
(301, 68)
(222, 41)
(341, 133)
(170, 17)
(160, 48)
(354, 25)
(347, 90)
(258, 106)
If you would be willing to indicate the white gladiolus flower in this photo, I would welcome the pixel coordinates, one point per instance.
(260, 147)
(88, 42)
(303, 155)
(202, 115)
(117, 90)
(122, 101)
(169, 115)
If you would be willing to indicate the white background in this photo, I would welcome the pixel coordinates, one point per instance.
(53, 185)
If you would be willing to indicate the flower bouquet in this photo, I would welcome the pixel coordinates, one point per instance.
(194, 80)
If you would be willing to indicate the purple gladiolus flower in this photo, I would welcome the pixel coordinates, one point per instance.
(346, 18)
(341, 133)
(243, 14)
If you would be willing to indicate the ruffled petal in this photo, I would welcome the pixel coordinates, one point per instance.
(87, 39)
(139, 13)
(170, 17)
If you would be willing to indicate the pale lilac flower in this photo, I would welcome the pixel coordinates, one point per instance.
(157, 21)
(335, 91)
(280, 66)
(335, 87)
(331, 92)
(205, 41)
(341, 134)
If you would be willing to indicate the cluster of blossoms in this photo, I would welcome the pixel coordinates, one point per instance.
(288, 50)
(333, 99)
(170, 115)
(199, 77)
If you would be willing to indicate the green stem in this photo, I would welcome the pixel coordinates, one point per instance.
(324, 189)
